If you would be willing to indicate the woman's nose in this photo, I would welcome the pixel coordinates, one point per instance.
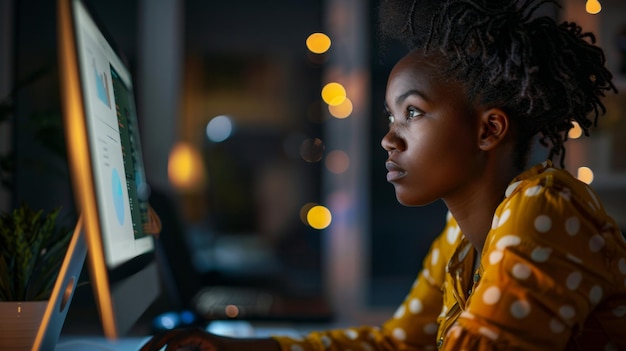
(391, 141)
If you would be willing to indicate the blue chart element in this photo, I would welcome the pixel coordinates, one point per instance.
(118, 196)
(102, 86)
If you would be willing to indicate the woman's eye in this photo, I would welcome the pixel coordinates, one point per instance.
(411, 113)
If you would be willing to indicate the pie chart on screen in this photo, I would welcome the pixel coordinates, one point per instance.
(118, 196)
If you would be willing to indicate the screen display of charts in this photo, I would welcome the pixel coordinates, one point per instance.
(119, 179)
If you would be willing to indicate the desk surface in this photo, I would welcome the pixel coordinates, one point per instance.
(228, 328)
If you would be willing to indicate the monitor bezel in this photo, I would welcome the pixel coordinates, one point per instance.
(83, 183)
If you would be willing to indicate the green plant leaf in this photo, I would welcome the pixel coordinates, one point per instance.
(48, 265)
(32, 249)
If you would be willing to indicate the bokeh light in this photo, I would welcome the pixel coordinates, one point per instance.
(337, 161)
(185, 168)
(304, 211)
(312, 150)
(575, 132)
(342, 110)
(319, 217)
(585, 174)
(219, 129)
(593, 7)
(318, 43)
(231, 311)
(333, 93)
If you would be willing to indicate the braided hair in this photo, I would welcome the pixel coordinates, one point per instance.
(544, 75)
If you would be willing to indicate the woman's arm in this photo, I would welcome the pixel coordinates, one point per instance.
(197, 339)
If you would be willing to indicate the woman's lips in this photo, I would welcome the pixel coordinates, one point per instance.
(394, 172)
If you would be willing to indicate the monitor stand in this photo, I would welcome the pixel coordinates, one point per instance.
(62, 292)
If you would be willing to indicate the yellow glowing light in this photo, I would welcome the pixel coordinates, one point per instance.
(342, 110)
(319, 217)
(304, 211)
(318, 43)
(333, 93)
(184, 167)
(575, 132)
(585, 174)
(337, 161)
(593, 6)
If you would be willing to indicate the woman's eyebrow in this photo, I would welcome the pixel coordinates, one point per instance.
(408, 93)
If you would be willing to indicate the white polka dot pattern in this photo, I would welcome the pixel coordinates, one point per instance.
(572, 226)
(573, 280)
(512, 188)
(596, 243)
(415, 306)
(431, 328)
(399, 312)
(543, 224)
(620, 311)
(351, 334)
(567, 312)
(465, 251)
(595, 295)
(495, 256)
(549, 231)
(508, 240)
(556, 326)
(541, 254)
(574, 259)
(533, 191)
(326, 341)
(399, 334)
(489, 333)
(453, 234)
(491, 296)
(521, 271)
(434, 257)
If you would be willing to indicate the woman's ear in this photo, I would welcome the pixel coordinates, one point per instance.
(494, 126)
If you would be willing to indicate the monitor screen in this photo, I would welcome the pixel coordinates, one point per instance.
(106, 168)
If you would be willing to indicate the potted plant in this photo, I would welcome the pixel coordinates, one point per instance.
(32, 244)
(32, 248)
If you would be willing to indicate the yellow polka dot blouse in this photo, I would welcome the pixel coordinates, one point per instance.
(552, 276)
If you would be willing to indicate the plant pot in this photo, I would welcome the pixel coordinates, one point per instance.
(19, 322)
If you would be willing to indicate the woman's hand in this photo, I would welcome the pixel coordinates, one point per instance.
(197, 339)
(188, 339)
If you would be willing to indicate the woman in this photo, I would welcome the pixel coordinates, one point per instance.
(528, 259)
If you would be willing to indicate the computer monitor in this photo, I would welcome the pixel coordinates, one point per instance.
(107, 174)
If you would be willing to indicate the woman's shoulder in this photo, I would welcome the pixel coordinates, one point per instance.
(546, 185)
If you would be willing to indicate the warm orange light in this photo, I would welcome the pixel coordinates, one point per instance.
(593, 6)
(319, 217)
(333, 93)
(341, 110)
(318, 43)
(585, 174)
(184, 168)
(231, 311)
(575, 132)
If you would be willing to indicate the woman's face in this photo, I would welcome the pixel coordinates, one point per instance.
(433, 138)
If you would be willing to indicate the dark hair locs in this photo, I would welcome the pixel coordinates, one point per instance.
(545, 75)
